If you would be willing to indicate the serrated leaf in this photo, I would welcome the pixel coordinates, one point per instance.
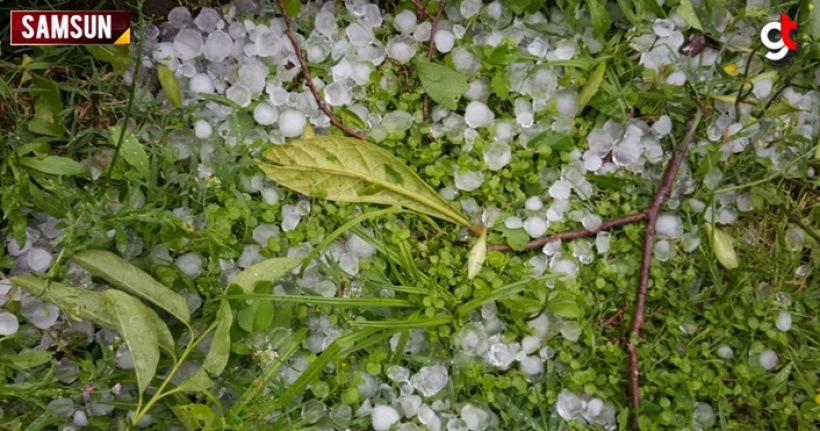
(339, 168)
(270, 270)
(131, 150)
(478, 254)
(170, 85)
(54, 165)
(599, 17)
(592, 86)
(133, 322)
(442, 84)
(78, 302)
(118, 56)
(687, 12)
(196, 417)
(125, 275)
(501, 84)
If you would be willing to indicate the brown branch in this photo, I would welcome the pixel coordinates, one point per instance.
(578, 233)
(614, 317)
(430, 50)
(649, 243)
(421, 9)
(309, 80)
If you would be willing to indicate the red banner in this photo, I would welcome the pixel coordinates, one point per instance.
(30, 27)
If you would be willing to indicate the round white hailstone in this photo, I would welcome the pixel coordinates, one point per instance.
(663, 126)
(401, 49)
(405, 22)
(201, 83)
(384, 417)
(190, 264)
(768, 359)
(39, 260)
(8, 324)
(677, 78)
(535, 226)
(784, 321)
(291, 123)
(239, 94)
(188, 44)
(478, 115)
(534, 203)
(669, 226)
(725, 352)
(532, 365)
(264, 114)
(203, 129)
(566, 266)
(444, 41)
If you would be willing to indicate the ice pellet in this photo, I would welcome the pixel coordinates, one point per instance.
(784, 321)
(384, 417)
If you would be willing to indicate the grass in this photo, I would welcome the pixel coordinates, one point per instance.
(416, 283)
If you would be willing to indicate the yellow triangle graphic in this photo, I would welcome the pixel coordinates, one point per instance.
(125, 39)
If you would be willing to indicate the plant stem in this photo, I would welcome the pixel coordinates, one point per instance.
(309, 80)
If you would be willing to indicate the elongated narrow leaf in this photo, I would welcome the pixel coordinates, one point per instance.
(220, 350)
(54, 165)
(134, 324)
(125, 275)
(132, 151)
(687, 12)
(477, 256)
(349, 170)
(268, 270)
(82, 303)
(169, 85)
(591, 86)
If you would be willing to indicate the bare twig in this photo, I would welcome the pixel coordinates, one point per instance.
(421, 9)
(578, 233)
(649, 243)
(650, 215)
(614, 317)
(309, 80)
(430, 50)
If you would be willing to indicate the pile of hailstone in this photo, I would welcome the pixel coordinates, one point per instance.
(244, 56)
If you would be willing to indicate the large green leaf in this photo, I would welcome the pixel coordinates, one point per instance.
(196, 417)
(478, 254)
(54, 165)
(220, 350)
(118, 56)
(270, 270)
(134, 323)
(75, 301)
(442, 84)
(47, 118)
(599, 17)
(131, 150)
(687, 12)
(349, 170)
(125, 275)
(591, 87)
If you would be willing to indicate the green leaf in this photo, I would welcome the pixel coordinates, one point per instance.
(26, 360)
(118, 56)
(293, 7)
(442, 84)
(338, 168)
(477, 256)
(564, 304)
(78, 302)
(501, 84)
(591, 86)
(134, 323)
(198, 382)
(54, 165)
(169, 85)
(557, 140)
(598, 17)
(125, 275)
(517, 239)
(196, 417)
(687, 12)
(270, 270)
(722, 247)
(217, 356)
(47, 118)
(132, 151)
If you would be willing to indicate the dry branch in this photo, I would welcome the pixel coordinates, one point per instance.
(291, 33)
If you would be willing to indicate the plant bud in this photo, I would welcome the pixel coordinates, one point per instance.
(722, 247)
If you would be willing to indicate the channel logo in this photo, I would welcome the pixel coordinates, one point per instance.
(29, 27)
(782, 48)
